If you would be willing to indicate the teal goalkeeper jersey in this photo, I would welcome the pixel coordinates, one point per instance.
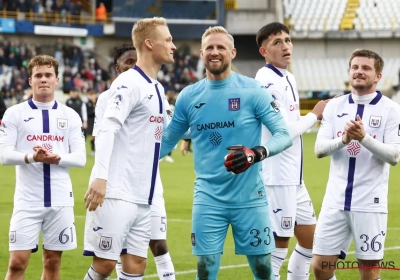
(220, 114)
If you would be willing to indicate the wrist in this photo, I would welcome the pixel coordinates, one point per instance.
(260, 152)
(29, 158)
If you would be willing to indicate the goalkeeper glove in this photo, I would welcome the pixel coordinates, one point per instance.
(242, 157)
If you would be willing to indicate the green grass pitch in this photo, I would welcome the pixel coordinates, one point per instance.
(178, 180)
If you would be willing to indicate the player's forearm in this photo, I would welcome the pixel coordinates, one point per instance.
(305, 123)
(187, 135)
(169, 140)
(73, 159)
(389, 153)
(326, 147)
(8, 156)
(104, 148)
(280, 141)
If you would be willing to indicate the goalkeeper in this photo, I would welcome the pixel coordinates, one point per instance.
(223, 110)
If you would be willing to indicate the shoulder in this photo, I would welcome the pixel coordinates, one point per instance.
(291, 76)
(128, 80)
(15, 109)
(241, 81)
(193, 89)
(103, 96)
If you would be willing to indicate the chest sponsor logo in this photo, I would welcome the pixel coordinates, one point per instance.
(158, 133)
(215, 138)
(354, 148)
(294, 107)
(156, 119)
(234, 104)
(62, 124)
(45, 137)
(215, 125)
(375, 121)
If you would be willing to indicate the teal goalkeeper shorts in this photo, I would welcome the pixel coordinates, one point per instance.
(251, 228)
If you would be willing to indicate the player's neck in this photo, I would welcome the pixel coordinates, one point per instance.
(363, 92)
(43, 99)
(226, 74)
(149, 67)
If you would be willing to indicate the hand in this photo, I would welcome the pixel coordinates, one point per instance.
(84, 125)
(242, 158)
(319, 108)
(355, 129)
(184, 147)
(95, 194)
(41, 155)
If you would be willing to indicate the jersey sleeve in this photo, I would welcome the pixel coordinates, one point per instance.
(99, 112)
(271, 117)
(76, 141)
(121, 102)
(8, 139)
(178, 126)
(326, 143)
(392, 129)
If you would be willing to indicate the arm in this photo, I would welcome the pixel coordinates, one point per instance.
(389, 151)
(77, 155)
(326, 143)
(119, 105)
(99, 112)
(168, 117)
(8, 141)
(269, 113)
(176, 128)
(297, 128)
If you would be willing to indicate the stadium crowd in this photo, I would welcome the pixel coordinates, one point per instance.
(63, 7)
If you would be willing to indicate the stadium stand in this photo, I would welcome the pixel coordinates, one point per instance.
(168, 9)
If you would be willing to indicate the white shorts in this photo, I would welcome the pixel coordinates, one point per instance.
(56, 223)
(158, 218)
(289, 206)
(116, 228)
(336, 228)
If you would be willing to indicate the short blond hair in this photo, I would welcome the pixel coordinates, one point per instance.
(42, 60)
(142, 30)
(216, 30)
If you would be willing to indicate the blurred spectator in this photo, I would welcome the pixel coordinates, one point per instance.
(90, 106)
(75, 102)
(101, 12)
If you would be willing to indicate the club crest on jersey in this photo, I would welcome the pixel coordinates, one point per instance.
(13, 236)
(234, 104)
(62, 124)
(286, 222)
(105, 243)
(375, 121)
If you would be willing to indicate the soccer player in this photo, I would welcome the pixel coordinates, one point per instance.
(127, 155)
(290, 204)
(42, 138)
(125, 57)
(360, 132)
(222, 110)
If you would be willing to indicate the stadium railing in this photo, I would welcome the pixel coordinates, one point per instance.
(54, 17)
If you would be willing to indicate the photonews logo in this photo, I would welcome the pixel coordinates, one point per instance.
(347, 265)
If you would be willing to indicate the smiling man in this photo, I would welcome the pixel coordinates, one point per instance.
(361, 133)
(42, 138)
(223, 110)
